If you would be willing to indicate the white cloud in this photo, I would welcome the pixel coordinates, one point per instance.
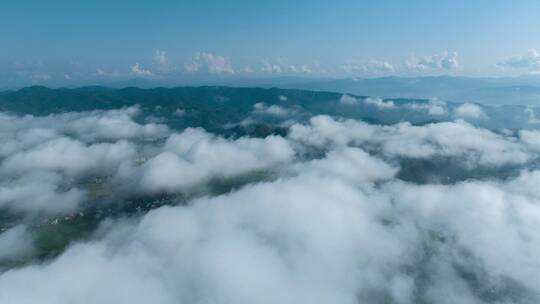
(39, 77)
(368, 67)
(270, 67)
(344, 163)
(77, 158)
(262, 108)
(305, 69)
(282, 65)
(532, 119)
(449, 139)
(41, 158)
(210, 63)
(529, 61)
(443, 61)
(379, 103)
(15, 243)
(194, 156)
(107, 73)
(433, 107)
(39, 192)
(33, 178)
(531, 138)
(341, 230)
(303, 239)
(137, 70)
(88, 126)
(336, 224)
(112, 124)
(348, 99)
(179, 112)
(299, 69)
(160, 58)
(470, 110)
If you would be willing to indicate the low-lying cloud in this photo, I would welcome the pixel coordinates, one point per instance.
(476, 146)
(336, 223)
(470, 110)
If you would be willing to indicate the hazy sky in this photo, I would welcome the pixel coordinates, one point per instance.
(45, 40)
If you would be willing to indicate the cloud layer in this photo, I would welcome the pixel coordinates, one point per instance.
(336, 223)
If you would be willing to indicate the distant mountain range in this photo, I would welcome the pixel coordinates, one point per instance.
(499, 91)
(210, 107)
(524, 90)
(214, 107)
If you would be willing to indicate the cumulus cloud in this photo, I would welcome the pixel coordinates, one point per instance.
(368, 67)
(262, 108)
(336, 224)
(282, 65)
(15, 243)
(341, 230)
(137, 70)
(302, 69)
(528, 61)
(40, 178)
(303, 239)
(348, 99)
(443, 61)
(179, 112)
(89, 126)
(470, 110)
(270, 67)
(531, 138)
(110, 125)
(189, 158)
(39, 192)
(448, 139)
(345, 163)
(77, 158)
(451, 208)
(433, 107)
(379, 103)
(210, 63)
(102, 72)
(43, 157)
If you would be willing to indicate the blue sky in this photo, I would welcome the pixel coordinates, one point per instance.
(45, 40)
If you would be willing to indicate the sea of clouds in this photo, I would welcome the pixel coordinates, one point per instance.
(334, 223)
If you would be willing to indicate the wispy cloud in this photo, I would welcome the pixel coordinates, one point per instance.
(160, 58)
(443, 62)
(282, 66)
(369, 67)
